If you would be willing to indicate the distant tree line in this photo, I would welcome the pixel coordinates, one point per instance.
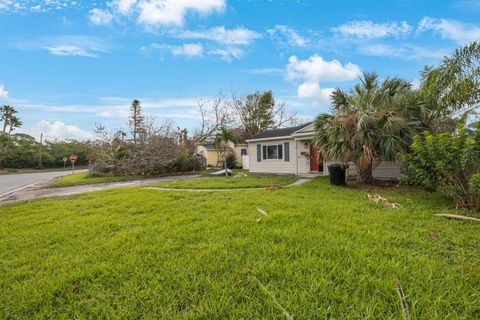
(19, 150)
(22, 151)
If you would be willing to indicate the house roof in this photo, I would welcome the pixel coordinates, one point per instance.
(277, 133)
(209, 146)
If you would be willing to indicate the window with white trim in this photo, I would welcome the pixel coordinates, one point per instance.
(272, 152)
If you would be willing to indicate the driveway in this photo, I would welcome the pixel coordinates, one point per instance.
(10, 183)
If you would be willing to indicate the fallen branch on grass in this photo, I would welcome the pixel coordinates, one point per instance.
(263, 213)
(378, 199)
(403, 301)
(272, 296)
(456, 216)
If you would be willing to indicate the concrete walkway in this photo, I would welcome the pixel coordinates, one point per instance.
(299, 182)
(41, 190)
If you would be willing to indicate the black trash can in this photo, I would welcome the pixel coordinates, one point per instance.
(337, 174)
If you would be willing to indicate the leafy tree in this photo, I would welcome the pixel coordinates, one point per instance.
(369, 123)
(258, 112)
(223, 137)
(18, 151)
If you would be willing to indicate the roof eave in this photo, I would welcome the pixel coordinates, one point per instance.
(269, 138)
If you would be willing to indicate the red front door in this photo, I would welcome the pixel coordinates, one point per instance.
(313, 158)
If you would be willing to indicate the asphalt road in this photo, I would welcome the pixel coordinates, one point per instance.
(12, 182)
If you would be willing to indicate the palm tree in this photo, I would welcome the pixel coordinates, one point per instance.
(6, 114)
(368, 123)
(14, 122)
(221, 141)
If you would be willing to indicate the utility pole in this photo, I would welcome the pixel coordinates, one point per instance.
(40, 152)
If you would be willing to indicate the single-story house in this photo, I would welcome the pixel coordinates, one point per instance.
(212, 155)
(290, 151)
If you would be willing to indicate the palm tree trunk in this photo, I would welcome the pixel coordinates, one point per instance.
(365, 174)
(225, 160)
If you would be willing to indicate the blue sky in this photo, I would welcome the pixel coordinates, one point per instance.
(67, 65)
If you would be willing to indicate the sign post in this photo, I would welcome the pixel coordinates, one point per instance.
(64, 162)
(73, 158)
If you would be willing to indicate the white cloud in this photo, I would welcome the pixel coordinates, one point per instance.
(70, 45)
(371, 30)
(285, 35)
(461, 33)
(3, 92)
(237, 36)
(189, 50)
(123, 6)
(58, 130)
(109, 104)
(405, 52)
(266, 71)
(228, 54)
(26, 6)
(315, 70)
(100, 17)
(172, 12)
(153, 13)
(36, 8)
(69, 50)
(312, 90)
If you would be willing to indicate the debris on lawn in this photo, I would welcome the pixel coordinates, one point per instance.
(250, 274)
(433, 236)
(378, 199)
(456, 216)
(263, 213)
(275, 187)
(75, 288)
(240, 175)
(403, 301)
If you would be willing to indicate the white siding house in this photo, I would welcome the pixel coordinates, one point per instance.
(290, 151)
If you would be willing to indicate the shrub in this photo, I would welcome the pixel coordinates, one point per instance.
(231, 161)
(186, 162)
(449, 163)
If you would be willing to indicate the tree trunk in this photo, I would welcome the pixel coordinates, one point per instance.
(365, 174)
(225, 152)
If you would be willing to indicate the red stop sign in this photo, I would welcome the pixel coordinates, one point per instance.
(73, 157)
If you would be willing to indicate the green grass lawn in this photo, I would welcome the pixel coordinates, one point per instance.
(233, 182)
(83, 178)
(323, 252)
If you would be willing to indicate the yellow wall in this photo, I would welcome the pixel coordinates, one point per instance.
(238, 153)
(212, 155)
